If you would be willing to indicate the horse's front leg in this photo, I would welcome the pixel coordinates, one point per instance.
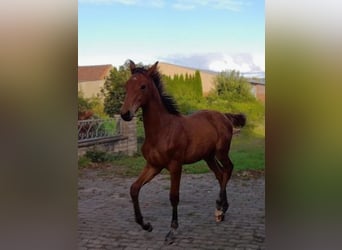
(175, 174)
(146, 175)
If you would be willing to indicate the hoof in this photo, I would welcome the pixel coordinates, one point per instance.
(219, 215)
(170, 237)
(148, 227)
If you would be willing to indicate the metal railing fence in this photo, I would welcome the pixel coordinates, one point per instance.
(96, 129)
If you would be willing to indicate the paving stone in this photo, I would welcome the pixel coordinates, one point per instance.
(106, 218)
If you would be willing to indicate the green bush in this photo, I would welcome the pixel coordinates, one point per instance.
(109, 127)
(96, 156)
(232, 93)
(83, 162)
(233, 86)
(184, 85)
(84, 104)
(93, 104)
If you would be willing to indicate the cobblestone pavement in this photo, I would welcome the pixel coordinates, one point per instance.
(106, 219)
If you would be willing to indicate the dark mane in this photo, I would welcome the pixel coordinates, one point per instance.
(168, 101)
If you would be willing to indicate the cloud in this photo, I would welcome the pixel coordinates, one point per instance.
(153, 3)
(231, 5)
(183, 6)
(199, 61)
(125, 2)
(245, 63)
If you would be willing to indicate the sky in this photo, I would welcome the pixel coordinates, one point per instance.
(204, 34)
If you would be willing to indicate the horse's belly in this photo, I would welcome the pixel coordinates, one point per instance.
(199, 151)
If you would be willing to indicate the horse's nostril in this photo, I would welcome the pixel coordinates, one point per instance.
(126, 116)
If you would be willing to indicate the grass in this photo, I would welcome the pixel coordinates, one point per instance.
(247, 153)
(83, 162)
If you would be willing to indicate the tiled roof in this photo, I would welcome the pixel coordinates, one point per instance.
(93, 73)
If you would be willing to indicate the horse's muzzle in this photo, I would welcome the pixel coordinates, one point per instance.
(127, 116)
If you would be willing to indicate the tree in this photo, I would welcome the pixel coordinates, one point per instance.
(197, 83)
(232, 85)
(90, 107)
(84, 104)
(113, 90)
(186, 89)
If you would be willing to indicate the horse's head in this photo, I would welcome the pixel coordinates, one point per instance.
(138, 88)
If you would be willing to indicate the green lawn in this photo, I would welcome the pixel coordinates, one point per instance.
(247, 153)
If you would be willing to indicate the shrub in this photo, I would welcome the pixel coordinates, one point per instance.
(96, 156)
(83, 162)
(233, 86)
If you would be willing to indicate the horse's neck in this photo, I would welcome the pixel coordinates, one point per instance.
(154, 116)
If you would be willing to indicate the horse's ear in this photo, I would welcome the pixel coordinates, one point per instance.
(131, 66)
(152, 69)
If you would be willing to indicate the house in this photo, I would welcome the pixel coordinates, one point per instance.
(258, 88)
(92, 78)
(207, 77)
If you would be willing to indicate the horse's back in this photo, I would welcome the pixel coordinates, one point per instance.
(206, 120)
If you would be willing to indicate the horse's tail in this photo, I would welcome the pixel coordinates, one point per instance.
(238, 120)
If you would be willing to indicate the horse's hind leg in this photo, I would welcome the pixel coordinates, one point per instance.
(214, 165)
(227, 167)
(175, 174)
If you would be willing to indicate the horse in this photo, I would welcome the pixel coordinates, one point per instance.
(173, 139)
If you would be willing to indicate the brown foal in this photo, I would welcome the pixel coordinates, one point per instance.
(172, 140)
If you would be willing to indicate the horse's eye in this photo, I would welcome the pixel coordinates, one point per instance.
(143, 87)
